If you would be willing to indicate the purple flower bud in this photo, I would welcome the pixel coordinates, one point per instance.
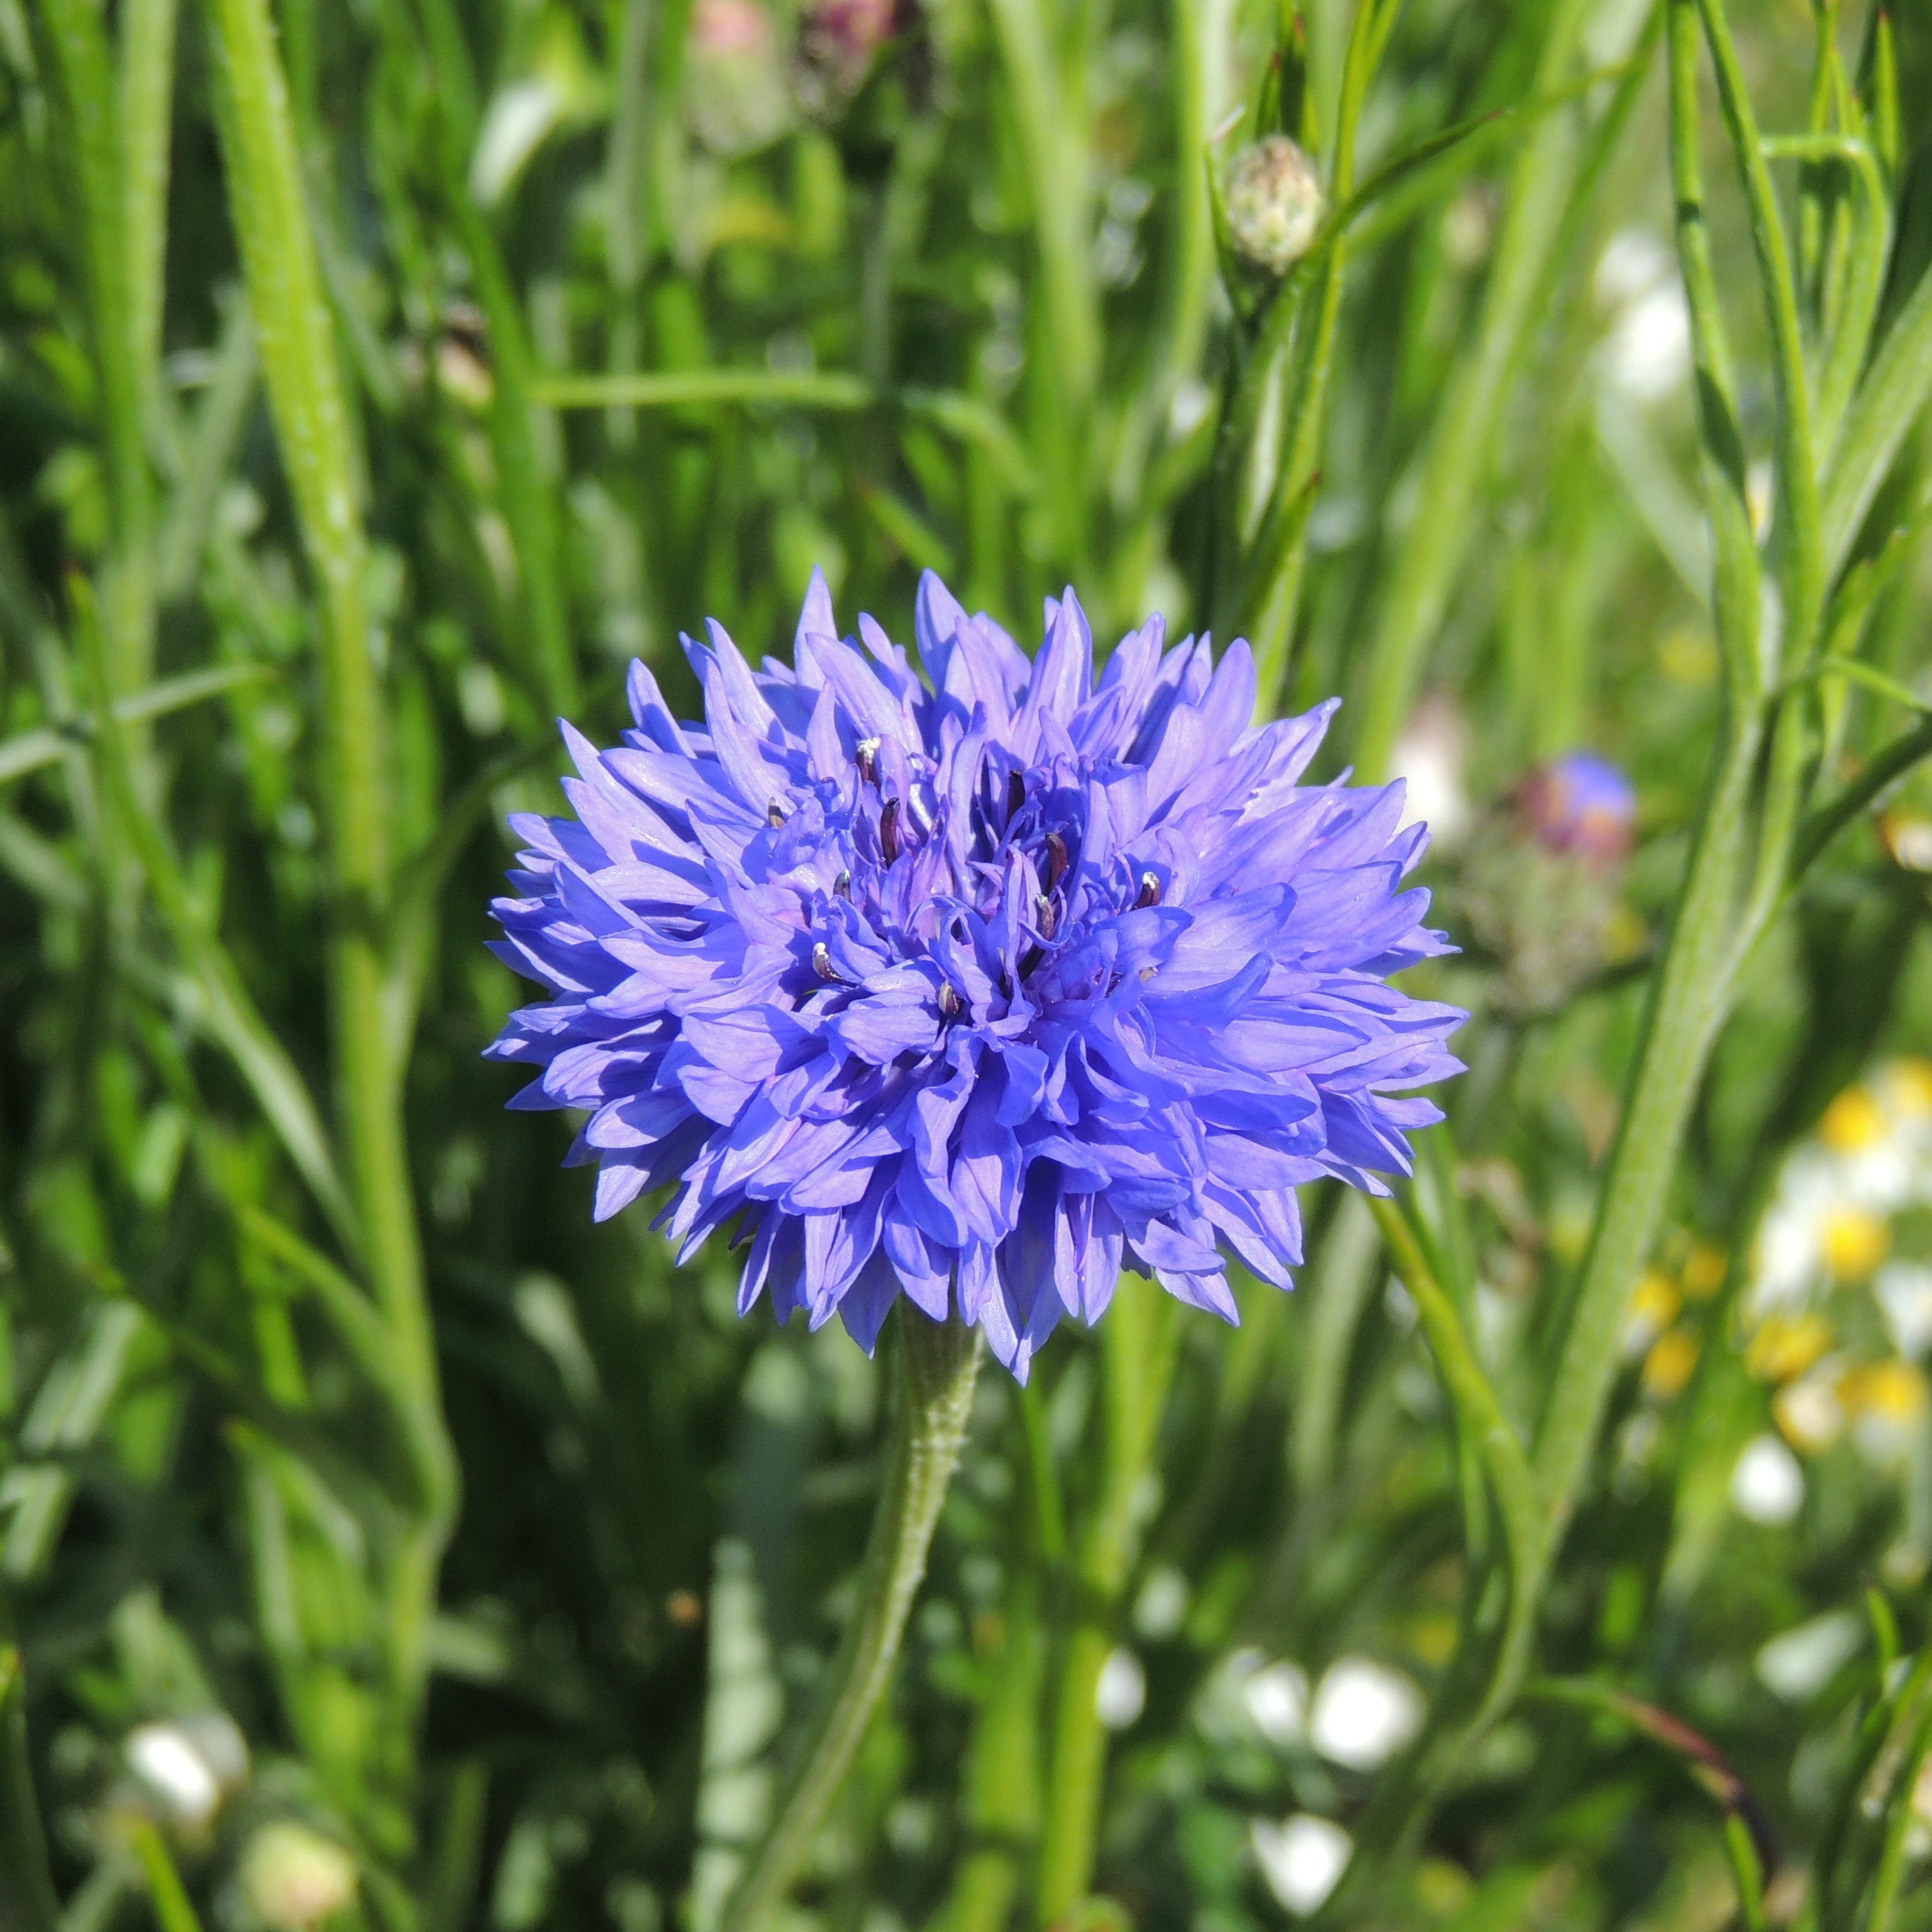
(1580, 803)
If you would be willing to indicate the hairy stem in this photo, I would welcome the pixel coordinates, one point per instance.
(939, 1364)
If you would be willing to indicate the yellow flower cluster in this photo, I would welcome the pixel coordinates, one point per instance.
(1831, 1321)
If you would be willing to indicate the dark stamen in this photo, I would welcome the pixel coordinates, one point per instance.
(888, 830)
(821, 962)
(1030, 959)
(1150, 893)
(1045, 915)
(1056, 858)
(950, 1004)
(775, 814)
(868, 760)
(1015, 793)
(842, 887)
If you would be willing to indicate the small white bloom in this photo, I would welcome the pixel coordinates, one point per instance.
(1904, 1292)
(1430, 757)
(1647, 354)
(1120, 1696)
(1634, 261)
(1767, 1486)
(1162, 1607)
(164, 1758)
(1802, 1660)
(1364, 1713)
(1277, 1700)
(1302, 1858)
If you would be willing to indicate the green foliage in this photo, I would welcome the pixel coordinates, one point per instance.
(381, 1544)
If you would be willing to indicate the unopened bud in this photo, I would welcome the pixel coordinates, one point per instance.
(293, 1878)
(1274, 202)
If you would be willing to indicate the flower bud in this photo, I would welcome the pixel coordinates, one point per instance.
(1580, 804)
(838, 40)
(1274, 202)
(293, 1878)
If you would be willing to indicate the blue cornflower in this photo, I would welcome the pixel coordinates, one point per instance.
(973, 987)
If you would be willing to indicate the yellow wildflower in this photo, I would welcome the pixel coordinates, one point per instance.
(1892, 1391)
(1654, 1304)
(1910, 1086)
(1786, 1346)
(1855, 1241)
(1668, 1366)
(1853, 1122)
(1704, 1268)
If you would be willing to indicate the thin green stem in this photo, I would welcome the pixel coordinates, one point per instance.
(1801, 531)
(28, 1900)
(1137, 1346)
(1691, 994)
(939, 1365)
(1888, 404)
(174, 1912)
(1458, 459)
(1900, 1818)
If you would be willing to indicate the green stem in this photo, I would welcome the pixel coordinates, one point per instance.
(174, 1911)
(1458, 458)
(294, 334)
(28, 1900)
(1002, 1788)
(1692, 991)
(939, 1364)
(1137, 1342)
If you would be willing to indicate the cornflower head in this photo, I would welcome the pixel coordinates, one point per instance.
(975, 986)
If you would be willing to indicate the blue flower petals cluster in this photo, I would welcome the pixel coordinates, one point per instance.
(975, 986)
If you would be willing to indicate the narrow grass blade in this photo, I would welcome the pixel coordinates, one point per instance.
(174, 1911)
(1888, 402)
(27, 1897)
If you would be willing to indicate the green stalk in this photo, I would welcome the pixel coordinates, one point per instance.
(74, 35)
(1481, 1415)
(146, 92)
(296, 337)
(1002, 1792)
(939, 1365)
(1692, 993)
(1272, 594)
(1429, 556)
(1137, 1347)
(628, 187)
(174, 1911)
(28, 1900)
(526, 492)
(1800, 533)
(1051, 117)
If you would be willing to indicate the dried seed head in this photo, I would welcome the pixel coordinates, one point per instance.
(1274, 202)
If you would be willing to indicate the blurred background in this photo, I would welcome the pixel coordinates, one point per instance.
(387, 1546)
